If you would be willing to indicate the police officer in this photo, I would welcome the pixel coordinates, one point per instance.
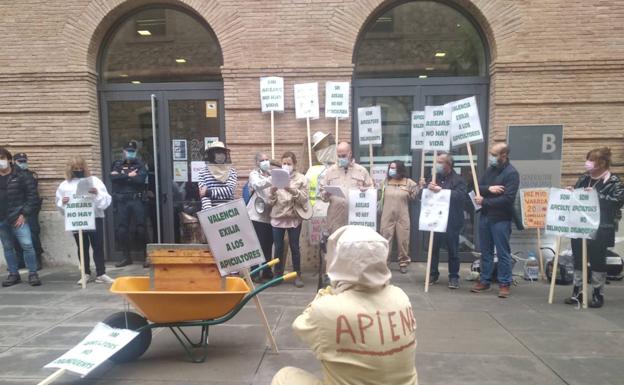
(21, 161)
(128, 177)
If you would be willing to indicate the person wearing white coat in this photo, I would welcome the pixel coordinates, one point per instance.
(75, 171)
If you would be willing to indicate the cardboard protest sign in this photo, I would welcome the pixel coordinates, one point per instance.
(534, 204)
(337, 100)
(96, 348)
(231, 237)
(363, 207)
(436, 135)
(465, 122)
(379, 173)
(418, 130)
(434, 210)
(272, 93)
(573, 214)
(79, 214)
(306, 101)
(369, 125)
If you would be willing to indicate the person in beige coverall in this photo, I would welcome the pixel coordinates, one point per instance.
(361, 328)
(347, 175)
(396, 192)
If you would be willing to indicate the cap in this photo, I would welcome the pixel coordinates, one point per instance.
(20, 157)
(318, 137)
(131, 145)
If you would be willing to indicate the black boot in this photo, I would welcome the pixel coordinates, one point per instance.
(124, 262)
(576, 297)
(597, 299)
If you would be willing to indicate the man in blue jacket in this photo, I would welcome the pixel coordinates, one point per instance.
(498, 188)
(448, 179)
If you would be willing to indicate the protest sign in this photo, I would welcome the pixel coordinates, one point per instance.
(436, 134)
(534, 204)
(79, 214)
(465, 122)
(101, 344)
(573, 214)
(379, 173)
(306, 101)
(363, 207)
(231, 237)
(369, 125)
(196, 167)
(337, 100)
(418, 130)
(434, 210)
(272, 93)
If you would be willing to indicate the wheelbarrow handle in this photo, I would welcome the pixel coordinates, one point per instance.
(271, 263)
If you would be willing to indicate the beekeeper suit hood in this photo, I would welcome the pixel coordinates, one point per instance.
(356, 259)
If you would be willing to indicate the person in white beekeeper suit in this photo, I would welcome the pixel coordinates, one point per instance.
(361, 328)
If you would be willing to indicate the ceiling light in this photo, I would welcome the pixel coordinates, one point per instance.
(440, 54)
(422, 77)
(123, 75)
(180, 60)
(429, 69)
(144, 32)
(135, 82)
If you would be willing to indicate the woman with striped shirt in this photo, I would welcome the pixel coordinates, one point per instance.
(217, 182)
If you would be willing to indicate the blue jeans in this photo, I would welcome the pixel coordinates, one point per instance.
(495, 234)
(23, 236)
(293, 239)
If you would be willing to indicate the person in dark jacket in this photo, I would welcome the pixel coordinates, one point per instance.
(21, 160)
(610, 191)
(448, 179)
(499, 186)
(18, 200)
(129, 177)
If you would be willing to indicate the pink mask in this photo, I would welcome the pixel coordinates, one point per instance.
(589, 165)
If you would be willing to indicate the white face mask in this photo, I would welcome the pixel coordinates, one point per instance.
(288, 168)
(220, 158)
(265, 165)
(4, 164)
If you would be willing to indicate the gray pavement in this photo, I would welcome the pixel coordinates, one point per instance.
(463, 338)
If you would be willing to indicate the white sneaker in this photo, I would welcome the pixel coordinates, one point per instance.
(103, 279)
(90, 278)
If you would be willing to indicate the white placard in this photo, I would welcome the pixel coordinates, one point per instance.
(280, 178)
(465, 122)
(369, 125)
(473, 199)
(196, 168)
(306, 101)
(573, 214)
(101, 344)
(379, 173)
(180, 171)
(231, 236)
(208, 140)
(272, 93)
(179, 149)
(418, 130)
(79, 214)
(363, 207)
(434, 210)
(337, 100)
(437, 135)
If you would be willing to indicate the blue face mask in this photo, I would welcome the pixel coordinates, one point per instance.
(492, 160)
(22, 165)
(130, 155)
(392, 173)
(343, 162)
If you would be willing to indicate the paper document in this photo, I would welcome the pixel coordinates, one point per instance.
(280, 178)
(84, 185)
(334, 190)
(472, 196)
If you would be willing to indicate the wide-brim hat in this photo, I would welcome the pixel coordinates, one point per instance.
(318, 138)
(217, 145)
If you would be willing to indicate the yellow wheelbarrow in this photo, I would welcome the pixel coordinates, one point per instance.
(179, 309)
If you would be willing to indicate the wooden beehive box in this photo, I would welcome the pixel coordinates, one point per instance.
(177, 267)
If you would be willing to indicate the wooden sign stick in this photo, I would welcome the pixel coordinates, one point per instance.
(261, 312)
(540, 254)
(555, 270)
(309, 145)
(272, 134)
(52, 377)
(474, 171)
(422, 164)
(431, 233)
(82, 259)
(585, 289)
(336, 138)
(370, 158)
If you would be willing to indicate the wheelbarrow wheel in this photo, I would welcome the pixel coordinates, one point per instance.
(136, 347)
